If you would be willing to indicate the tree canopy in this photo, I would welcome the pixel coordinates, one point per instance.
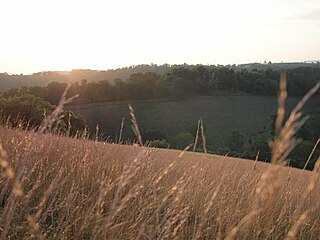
(28, 112)
(179, 83)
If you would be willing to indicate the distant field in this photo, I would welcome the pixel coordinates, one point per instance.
(221, 115)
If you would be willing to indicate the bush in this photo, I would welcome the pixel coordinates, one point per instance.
(28, 111)
(153, 134)
(159, 143)
(235, 141)
(24, 109)
(182, 140)
(300, 154)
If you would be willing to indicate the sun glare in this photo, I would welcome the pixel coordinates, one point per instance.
(40, 35)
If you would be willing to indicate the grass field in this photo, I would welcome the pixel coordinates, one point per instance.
(57, 187)
(53, 187)
(221, 115)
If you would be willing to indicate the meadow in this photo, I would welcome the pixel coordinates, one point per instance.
(58, 187)
(53, 187)
(221, 114)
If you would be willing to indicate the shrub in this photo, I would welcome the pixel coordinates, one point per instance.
(28, 111)
(235, 141)
(159, 143)
(183, 139)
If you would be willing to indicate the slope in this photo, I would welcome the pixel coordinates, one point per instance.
(61, 188)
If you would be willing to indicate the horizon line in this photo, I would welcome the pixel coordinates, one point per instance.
(174, 64)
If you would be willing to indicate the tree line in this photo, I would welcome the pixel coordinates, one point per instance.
(8, 81)
(180, 83)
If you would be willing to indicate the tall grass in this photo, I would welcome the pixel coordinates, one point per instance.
(54, 187)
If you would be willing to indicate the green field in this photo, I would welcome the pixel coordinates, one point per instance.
(221, 115)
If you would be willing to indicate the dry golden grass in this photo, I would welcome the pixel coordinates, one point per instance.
(71, 188)
(54, 187)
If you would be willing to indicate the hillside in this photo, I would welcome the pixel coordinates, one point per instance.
(221, 114)
(63, 188)
(275, 66)
(8, 81)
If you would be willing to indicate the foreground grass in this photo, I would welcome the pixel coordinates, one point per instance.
(55, 187)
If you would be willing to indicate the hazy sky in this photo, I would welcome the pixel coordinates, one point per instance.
(39, 35)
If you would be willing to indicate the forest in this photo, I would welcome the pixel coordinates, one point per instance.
(178, 84)
(43, 78)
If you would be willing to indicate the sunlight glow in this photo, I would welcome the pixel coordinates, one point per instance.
(39, 35)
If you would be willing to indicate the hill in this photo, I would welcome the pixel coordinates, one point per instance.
(61, 188)
(275, 66)
(8, 81)
(44, 78)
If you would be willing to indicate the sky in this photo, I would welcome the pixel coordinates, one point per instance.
(43, 35)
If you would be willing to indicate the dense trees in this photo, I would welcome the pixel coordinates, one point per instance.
(8, 81)
(24, 109)
(308, 134)
(179, 83)
(27, 111)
